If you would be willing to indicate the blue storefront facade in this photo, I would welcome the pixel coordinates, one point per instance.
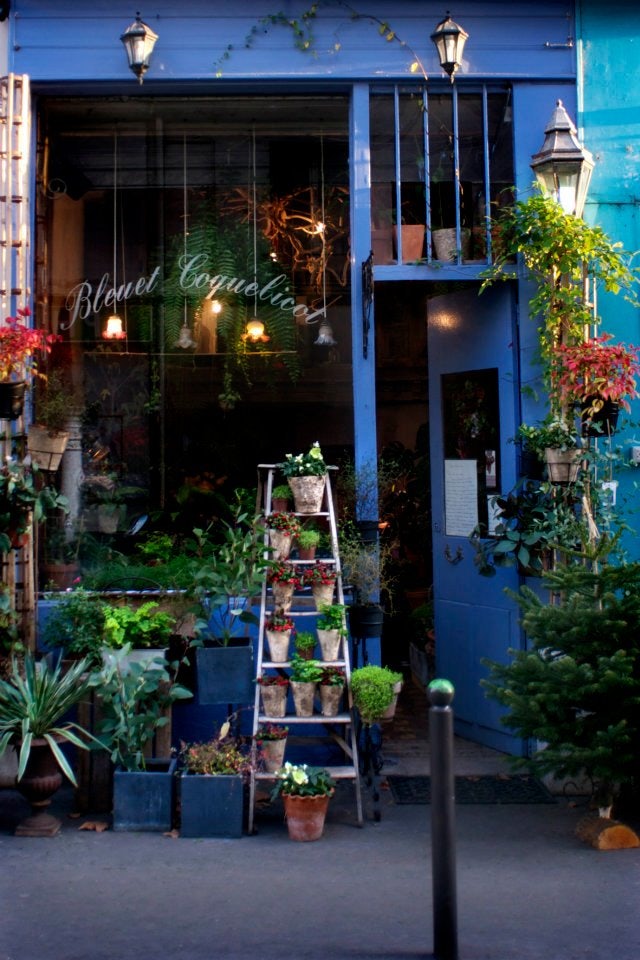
(273, 124)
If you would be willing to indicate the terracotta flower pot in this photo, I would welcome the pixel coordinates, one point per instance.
(307, 493)
(329, 643)
(305, 816)
(278, 641)
(303, 694)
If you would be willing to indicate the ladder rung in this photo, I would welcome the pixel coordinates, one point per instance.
(314, 718)
(338, 773)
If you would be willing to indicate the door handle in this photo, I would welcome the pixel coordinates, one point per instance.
(453, 558)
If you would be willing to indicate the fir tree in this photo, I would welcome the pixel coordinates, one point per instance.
(576, 688)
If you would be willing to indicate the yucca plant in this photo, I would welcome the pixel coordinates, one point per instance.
(33, 702)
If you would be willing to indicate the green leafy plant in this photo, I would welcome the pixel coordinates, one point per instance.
(281, 491)
(368, 568)
(550, 433)
(271, 731)
(23, 496)
(332, 618)
(373, 690)
(308, 537)
(305, 671)
(146, 626)
(136, 698)
(54, 402)
(300, 780)
(34, 701)
(304, 641)
(76, 623)
(309, 464)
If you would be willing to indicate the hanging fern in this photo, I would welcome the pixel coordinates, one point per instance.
(224, 248)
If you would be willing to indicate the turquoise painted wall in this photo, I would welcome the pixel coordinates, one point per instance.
(609, 118)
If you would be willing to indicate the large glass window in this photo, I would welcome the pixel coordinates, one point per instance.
(223, 227)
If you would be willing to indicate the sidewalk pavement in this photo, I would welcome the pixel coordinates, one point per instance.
(527, 889)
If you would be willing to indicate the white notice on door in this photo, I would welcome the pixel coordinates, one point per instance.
(460, 497)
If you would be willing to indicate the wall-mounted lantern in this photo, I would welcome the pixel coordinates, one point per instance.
(449, 38)
(562, 166)
(139, 41)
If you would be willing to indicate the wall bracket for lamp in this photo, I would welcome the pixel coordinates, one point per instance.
(367, 302)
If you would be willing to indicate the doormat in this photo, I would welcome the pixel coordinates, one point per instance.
(501, 789)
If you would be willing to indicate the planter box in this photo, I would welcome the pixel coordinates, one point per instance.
(225, 674)
(143, 800)
(211, 806)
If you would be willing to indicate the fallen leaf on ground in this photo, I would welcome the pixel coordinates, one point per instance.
(98, 825)
(172, 834)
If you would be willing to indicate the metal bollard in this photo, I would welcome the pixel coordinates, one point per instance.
(443, 853)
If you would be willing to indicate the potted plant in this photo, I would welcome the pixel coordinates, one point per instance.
(331, 629)
(283, 529)
(34, 702)
(308, 539)
(271, 742)
(375, 692)
(599, 375)
(230, 573)
(321, 577)
(305, 675)
(211, 786)
(531, 522)
(283, 579)
(60, 566)
(273, 693)
(21, 348)
(23, 499)
(280, 498)
(146, 629)
(304, 643)
(305, 793)
(75, 625)
(106, 500)
(331, 687)
(306, 475)
(47, 437)
(278, 629)
(555, 442)
(136, 702)
(367, 570)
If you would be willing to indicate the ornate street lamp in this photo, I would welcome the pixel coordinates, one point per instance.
(563, 167)
(139, 41)
(449, 38)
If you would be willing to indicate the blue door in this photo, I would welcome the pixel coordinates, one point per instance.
(473, 404)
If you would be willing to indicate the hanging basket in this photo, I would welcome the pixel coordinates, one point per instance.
(307, 493)
(46, 449)
(562, 465)
(12, 399)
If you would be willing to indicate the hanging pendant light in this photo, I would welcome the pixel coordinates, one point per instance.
(254, 330)
(114, 328)
(185, 341)
(325, 336)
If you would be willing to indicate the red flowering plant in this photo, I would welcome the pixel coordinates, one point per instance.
(271, 731)
(279, 623)
(222, 755)
(21, 346)
(283, 572)
(284, 522)
(333, 677)
(320, 573)
(273, 680)
(594, 371)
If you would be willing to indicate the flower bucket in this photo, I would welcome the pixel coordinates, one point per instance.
(46, 449)
(412, 241)
(444, 242)
(283, 595)
(272, 753)
(305, 816)
(562, 465)
(330, 697)
(278, 641)
(274, 700)
(303, 694)
(280, 543)
(322, 594)
(307, 493)
(329, 643)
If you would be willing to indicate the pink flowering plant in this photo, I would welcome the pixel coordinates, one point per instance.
(594, 371)
(21, 347)
(320, 573)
